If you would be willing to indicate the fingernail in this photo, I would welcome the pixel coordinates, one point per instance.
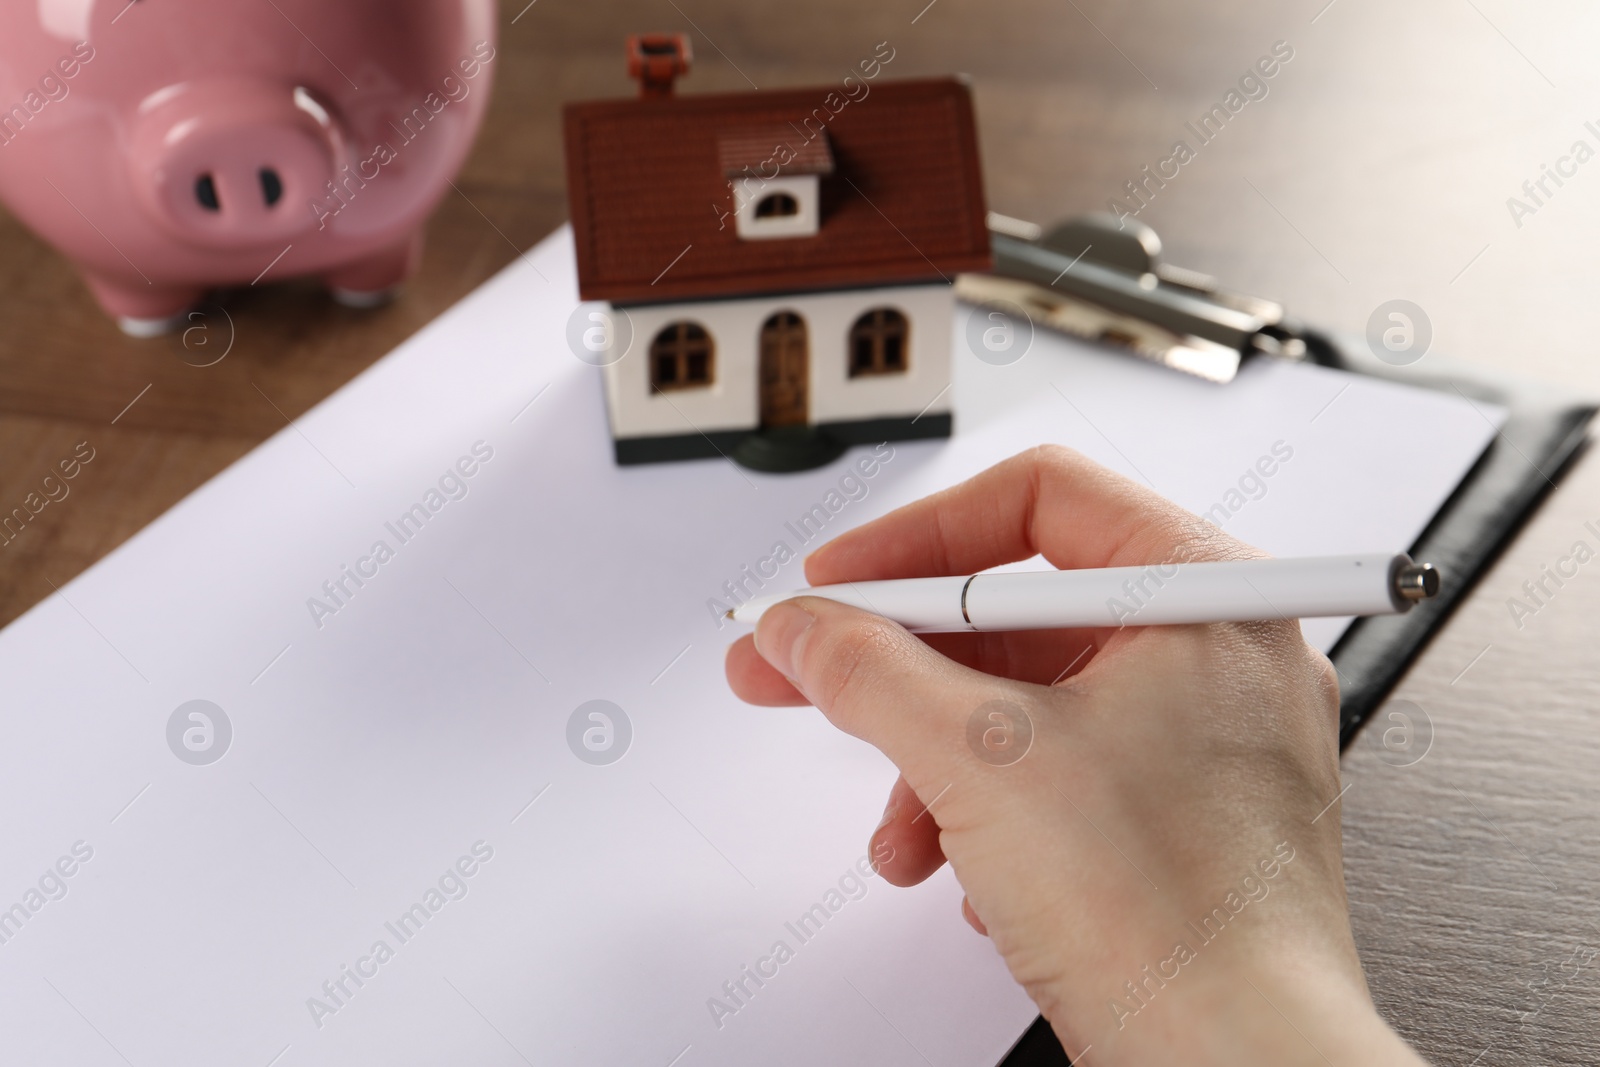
(874, 845)
(778, 632)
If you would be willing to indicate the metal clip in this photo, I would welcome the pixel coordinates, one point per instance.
(1093, 277)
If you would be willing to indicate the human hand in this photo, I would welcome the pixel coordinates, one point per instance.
(1139, 817)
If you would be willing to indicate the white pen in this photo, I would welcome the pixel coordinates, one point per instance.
(1158, 594)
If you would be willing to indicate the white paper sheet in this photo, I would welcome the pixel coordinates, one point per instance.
(370, 754)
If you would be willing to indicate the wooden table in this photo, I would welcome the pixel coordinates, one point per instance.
(1378, 165)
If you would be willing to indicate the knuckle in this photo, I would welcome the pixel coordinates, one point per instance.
(1057, 465)
(1326, 680)
(1327, 675)
(1053, 457)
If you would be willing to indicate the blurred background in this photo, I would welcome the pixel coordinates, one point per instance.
(1378, 166)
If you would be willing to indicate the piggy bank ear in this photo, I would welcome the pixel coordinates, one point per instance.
(233, 163)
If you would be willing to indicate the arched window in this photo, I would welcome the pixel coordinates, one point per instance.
(778, 205)
(681, 357)
(878, 343)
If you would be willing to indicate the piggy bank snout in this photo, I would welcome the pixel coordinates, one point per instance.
(233, 164)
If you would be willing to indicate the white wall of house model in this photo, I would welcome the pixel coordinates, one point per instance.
(731, 401)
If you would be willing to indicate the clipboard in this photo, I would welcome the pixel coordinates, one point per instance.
(1109, 271)
(1544, 431)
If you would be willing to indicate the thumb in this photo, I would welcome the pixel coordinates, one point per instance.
(872, 678)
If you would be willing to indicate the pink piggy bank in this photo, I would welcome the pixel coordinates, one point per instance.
(171, 146)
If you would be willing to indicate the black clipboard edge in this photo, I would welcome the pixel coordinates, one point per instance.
(1546, 428)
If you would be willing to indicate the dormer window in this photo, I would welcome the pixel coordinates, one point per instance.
(777, 205)
(774, 175)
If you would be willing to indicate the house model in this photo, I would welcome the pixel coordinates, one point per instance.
(782, 259)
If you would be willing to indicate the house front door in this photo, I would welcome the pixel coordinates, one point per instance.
(785, 355)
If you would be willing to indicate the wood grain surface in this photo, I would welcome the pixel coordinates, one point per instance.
(1377, 166)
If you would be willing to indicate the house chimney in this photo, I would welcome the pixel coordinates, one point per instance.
(656, 60)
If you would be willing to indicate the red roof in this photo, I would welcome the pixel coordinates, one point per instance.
(648, 191)
(749, 150)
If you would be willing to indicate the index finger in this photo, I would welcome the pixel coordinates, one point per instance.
(1049, 501)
